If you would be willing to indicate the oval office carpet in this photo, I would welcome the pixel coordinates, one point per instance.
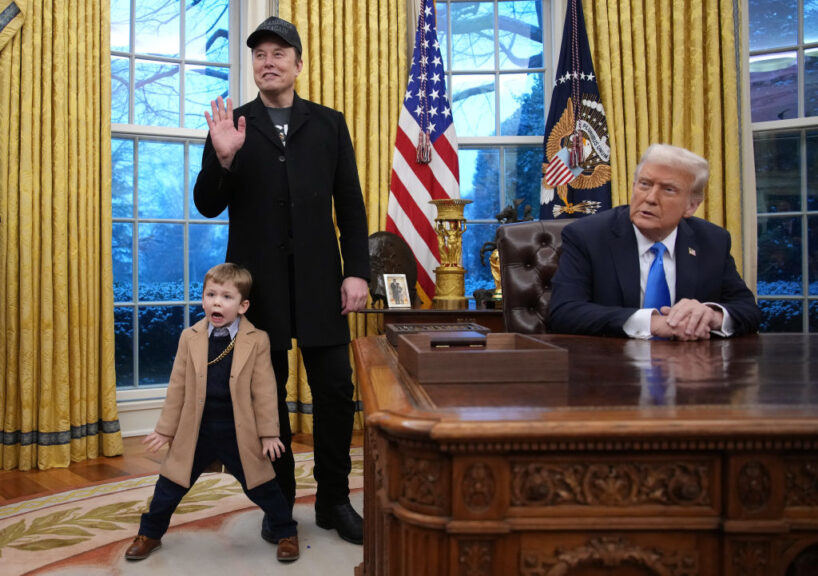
(215, 531)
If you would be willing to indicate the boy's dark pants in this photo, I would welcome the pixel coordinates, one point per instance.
(217, 440)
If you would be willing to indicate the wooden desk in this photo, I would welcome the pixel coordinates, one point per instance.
(653, 458)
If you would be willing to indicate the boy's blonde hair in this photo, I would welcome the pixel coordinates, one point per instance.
(229, 272)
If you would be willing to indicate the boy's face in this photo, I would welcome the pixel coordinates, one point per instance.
(222, 303)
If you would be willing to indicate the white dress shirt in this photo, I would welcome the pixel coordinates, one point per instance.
(233, 328)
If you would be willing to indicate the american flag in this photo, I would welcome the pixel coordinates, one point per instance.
(424, 166)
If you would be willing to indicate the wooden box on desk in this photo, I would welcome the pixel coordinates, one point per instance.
(506, 357)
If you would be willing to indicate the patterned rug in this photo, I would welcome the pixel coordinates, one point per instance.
(215, 530)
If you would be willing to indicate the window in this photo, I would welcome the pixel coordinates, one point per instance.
(495, 59)
(784, 101)
(168, 60)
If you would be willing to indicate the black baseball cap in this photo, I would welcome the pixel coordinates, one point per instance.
(275, 26)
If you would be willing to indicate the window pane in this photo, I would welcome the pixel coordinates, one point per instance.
(810, 21)
(773, 87)
(523, 166)
(813, 316)
(122, 178)
(811, 82)
(778, 172)
(472, 35)
(473, 105)
(521, 105)
(203, 84)
(157, 27)
(812, 171)
(208, 245)
(773, 23)
(123, 345)
(122, 256)
(812, 247)
(442, 27)
(196, 314)
(156, 94)
(478, 276)
(779, 256)
(520, 34)
(121, 25)
(194, 166)
(161, 182)
(480, 182)
(781, 315)
(120, 90)
(161, 261)
(206, 31)
(159, 330)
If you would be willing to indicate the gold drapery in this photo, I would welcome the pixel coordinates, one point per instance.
(668, 72)
(355, 60)
(58, 389)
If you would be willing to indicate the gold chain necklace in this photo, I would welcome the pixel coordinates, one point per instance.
(224, 353)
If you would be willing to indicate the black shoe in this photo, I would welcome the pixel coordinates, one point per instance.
(344, 519)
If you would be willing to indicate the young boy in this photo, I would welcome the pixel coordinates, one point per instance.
(221, 404)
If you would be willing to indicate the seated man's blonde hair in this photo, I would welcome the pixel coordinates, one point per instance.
(229, 272)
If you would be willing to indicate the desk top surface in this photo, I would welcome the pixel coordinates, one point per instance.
(754, 384)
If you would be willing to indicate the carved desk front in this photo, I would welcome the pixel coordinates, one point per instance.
(653, 458)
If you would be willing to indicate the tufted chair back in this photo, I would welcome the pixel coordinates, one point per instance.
(529, 252)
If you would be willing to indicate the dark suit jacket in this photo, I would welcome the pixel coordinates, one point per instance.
(596, 287)
(280, 201)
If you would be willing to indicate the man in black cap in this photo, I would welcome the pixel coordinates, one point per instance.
(279, 164)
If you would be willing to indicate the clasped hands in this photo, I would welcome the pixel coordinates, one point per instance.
(688, 319)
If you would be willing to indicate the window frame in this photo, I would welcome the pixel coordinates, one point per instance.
(239, 13)
(553, 14)
(792, 126)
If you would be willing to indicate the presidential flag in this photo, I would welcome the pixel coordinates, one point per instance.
(424, 165)
(576, 149)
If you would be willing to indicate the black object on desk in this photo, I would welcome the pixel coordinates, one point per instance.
(395, 330)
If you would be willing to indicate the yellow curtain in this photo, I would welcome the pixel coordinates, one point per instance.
(355, 60)
(668, 72)
(57, 395)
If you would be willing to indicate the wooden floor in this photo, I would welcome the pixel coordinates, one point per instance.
(16, 485)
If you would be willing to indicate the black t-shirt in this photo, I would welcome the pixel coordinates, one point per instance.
(280, 117)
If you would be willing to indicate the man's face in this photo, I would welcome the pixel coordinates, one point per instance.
(275, 66)
(222, 303)
(661, 198)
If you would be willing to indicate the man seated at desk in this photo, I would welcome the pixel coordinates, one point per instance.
(620, 270)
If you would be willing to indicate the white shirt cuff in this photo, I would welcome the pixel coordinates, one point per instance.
(727, 325)
(638, 325)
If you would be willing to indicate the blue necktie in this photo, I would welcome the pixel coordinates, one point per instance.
(657, 294)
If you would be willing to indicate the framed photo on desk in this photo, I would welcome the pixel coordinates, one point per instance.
(397, 291)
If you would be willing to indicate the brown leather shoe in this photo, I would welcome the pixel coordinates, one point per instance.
(142, 546)
(288, 549)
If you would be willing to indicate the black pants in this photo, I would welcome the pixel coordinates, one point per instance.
(217, 441)
(330, 379)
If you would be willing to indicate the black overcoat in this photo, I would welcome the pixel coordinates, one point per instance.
(280, 203)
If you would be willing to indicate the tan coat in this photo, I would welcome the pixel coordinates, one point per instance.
(253, 392)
